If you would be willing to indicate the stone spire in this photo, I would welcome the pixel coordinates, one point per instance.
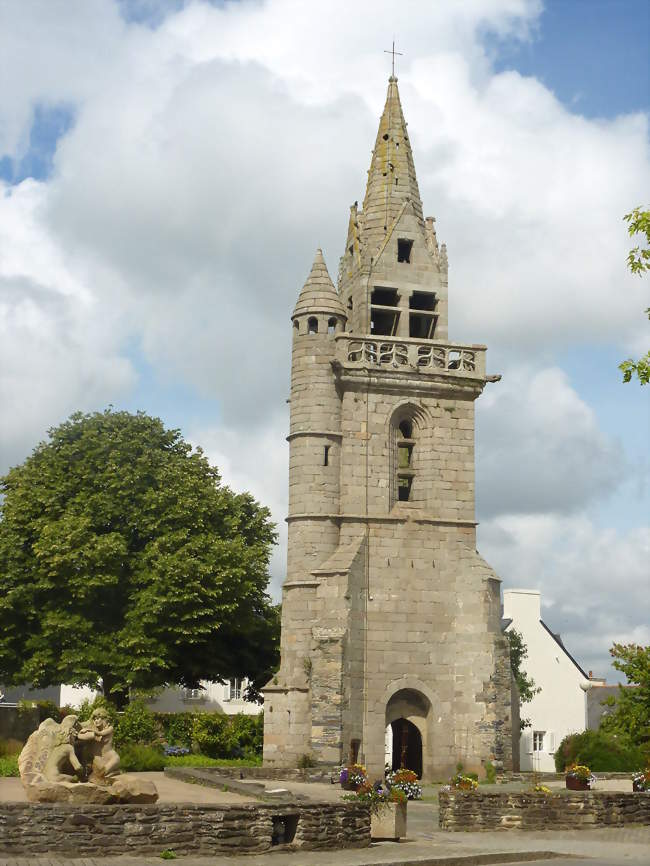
(318, 295)
(391, 178)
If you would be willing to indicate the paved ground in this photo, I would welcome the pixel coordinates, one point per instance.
(426, 845)
(169, 791)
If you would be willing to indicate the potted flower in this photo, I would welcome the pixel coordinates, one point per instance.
(459, 782)
(641, 781)
(387, 810)
(353, 776)
(405, 781)
(578, 777)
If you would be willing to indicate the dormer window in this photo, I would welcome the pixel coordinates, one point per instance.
(404, 250)
(312, 326)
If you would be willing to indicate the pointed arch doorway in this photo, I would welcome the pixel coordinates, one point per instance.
(407, 746)
(408, 741)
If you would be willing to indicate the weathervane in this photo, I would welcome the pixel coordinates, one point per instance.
(393, 52)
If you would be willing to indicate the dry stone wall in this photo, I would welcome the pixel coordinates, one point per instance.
(562, 810)
(81, 831)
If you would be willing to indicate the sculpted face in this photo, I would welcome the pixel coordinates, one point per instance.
(100, 719)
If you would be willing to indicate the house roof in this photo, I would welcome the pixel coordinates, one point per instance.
(558, 641)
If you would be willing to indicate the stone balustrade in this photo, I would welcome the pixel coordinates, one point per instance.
(425, 356)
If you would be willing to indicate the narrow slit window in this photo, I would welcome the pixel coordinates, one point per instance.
(403, 465)
(404, 250)
(326, 455)
(312, 326)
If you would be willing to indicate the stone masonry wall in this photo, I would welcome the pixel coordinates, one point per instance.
(80, 831)
(564, 810)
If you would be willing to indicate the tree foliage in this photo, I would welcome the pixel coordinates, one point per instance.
(630, 714)
(638, 261)
(123, 559)
(525, 684)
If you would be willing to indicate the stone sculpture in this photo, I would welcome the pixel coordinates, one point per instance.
(75, 762)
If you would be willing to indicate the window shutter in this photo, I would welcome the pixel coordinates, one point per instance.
(551, 741)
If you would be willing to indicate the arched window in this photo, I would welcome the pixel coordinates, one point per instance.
(402, 451)
(312, 325)
(331, 326)
(296, 327)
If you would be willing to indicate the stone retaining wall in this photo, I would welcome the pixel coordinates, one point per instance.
(273, 774)
(524, 810)
(17, 723)
(80, 831)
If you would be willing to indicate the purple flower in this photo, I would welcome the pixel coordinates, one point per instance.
(344, 775)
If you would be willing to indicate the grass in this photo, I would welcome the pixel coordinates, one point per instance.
(9, 766)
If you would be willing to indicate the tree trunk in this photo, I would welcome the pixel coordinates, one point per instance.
(114, 693)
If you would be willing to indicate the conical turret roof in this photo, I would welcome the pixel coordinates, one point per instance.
(391, 179)
(318, 295)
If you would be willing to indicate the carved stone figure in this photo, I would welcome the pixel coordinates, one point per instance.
(62, 757)
(76, 763)
(96, 741)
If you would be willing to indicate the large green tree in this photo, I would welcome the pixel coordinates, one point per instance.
(125, 561)
(638, 261)
(631, 708)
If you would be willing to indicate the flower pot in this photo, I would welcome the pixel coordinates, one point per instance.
(389, 822)
(575, 784)
(638, 785)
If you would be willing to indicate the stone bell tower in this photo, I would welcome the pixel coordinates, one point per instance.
(391, 642)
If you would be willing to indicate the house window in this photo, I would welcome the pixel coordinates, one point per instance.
(331, 326)
(538, 741)
(312, 326)
(235, 689)
(193, 694)
(403, 247)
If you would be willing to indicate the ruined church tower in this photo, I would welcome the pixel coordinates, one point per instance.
(391, 642)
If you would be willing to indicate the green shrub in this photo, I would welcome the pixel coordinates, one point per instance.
(9, 766)
(210, 735)
(136, 726)
(306, 761)
(600, 751)
(10, 747)
(490, 773)
(177, 728)
(135, 758)
(47, 710)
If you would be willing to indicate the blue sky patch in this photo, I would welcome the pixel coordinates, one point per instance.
(49, 125)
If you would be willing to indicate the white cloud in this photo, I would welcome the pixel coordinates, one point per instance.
(58, 350)
(539, 447)
(212, 154)
(594, 582)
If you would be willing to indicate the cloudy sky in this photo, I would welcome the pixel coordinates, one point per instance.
(167, 169)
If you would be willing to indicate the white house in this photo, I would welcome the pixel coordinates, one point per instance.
(225, 698)
(212, 698)
(561, 706)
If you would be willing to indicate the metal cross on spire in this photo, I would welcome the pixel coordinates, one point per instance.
(393, 52)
